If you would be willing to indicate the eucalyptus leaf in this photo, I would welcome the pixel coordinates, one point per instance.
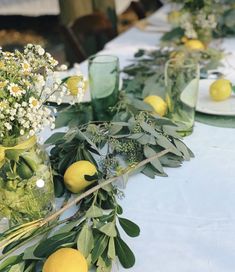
(146, 127)
(183, 149)
(149, 152)
(164, 142)
(149, 172)
(140, 105)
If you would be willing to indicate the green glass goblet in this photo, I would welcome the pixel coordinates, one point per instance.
(103, 73)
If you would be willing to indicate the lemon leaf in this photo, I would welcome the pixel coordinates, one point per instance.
(111, 249)
(18, 267)
(124, 253)
(94, 211)
(109, 229)
(85, 242)
(100, 245)
(129, 227)
(9, 262)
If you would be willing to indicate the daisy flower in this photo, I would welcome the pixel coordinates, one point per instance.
(15, 90)
(34, 103)
(26, 67)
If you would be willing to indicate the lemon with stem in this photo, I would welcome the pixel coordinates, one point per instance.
(80, 175)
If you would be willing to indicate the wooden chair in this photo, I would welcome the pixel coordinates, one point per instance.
(87, 35)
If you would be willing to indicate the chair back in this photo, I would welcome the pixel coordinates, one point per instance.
(88, 35)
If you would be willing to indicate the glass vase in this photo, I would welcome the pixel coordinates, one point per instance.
(26, 185)
(181, 85)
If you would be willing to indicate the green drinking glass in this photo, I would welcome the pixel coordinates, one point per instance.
(103, 73)
(181, 84)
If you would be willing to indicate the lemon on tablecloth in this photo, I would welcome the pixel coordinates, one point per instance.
(220, 90)
(79, 175)
(66, 260)
(157, 103)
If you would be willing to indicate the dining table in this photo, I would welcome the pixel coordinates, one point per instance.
(187, 220)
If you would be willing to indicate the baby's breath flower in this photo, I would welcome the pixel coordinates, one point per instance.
(3, 83)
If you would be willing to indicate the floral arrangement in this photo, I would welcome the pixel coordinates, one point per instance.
(194, 20)
(27, 81)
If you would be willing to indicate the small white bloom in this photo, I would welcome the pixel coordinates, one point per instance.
(41, 51)
(26, 67)
(63, 67)
(34, 103)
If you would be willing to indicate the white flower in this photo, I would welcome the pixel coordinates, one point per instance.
(8, 126)
(41, 51)
(21, 132)
(31, 132)
(15, 90)
(63, 67)
(26, 67)
(34, 103)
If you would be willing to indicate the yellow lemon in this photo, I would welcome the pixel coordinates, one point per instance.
(195, 45)
(174, 17)
(221, 89)
(79, 175)
(158, 104)
(66, 260)
(72, 84)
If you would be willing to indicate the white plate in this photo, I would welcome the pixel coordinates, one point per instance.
(206, 105)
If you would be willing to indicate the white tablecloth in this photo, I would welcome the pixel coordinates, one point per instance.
(29, 7)
(187, 220)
